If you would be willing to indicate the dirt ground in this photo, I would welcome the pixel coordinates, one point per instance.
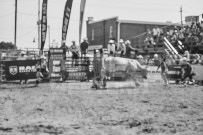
(76, 109)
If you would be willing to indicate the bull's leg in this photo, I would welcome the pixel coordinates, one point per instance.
(96, 84)
(103, 78)
(136, 82)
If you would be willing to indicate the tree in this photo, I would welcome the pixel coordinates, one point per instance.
(7, 45)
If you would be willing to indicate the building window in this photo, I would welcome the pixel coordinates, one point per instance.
(92, 34)
(111, 31)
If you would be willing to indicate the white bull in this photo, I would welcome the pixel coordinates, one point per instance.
(131, 68)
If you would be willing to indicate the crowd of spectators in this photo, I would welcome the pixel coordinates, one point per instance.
(183, 37)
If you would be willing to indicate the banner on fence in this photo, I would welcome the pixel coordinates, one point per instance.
(20, 70)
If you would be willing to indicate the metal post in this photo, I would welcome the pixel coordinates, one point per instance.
(118, 32)
(15, 22)
(38, 23)
(181, 11)
(49, 34)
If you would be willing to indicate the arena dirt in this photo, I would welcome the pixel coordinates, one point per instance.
(76, 109)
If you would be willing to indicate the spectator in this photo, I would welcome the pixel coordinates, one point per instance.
(122, 48)
(181, 36)
(156, 60)
(156, 32)
(115, 43)
(111, 48)
(140, 59)
(197, 59)
(22, 55)
(174, 38)
(75, 53)
(149, 42)
(148, 33)
(168, 36)
(64, 45)
(84, 47)
(187, 55)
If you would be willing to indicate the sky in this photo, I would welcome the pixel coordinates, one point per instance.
(139, 10)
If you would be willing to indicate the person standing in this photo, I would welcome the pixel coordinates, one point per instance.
(84, 47)
(64, 45)
(122, 48)
(111, 48)
(75, 53)
(187, 71)
(129, 48)
(164, 70)
(156, 60)
(156, 32)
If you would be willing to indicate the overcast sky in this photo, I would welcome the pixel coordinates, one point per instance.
(140, 10)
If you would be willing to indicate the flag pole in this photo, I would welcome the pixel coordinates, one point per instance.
(15, 22)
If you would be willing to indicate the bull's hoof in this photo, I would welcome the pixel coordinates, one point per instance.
(137, 84)
(93, 87)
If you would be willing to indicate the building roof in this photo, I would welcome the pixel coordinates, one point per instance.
(146, 22)
(136, 22)
(115, 17)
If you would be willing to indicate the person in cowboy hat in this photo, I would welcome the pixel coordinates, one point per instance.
(22, 55)
(140, 59)
(122, 48)
(111, 48)
(84, 47)
(129, 48)
(75, 53)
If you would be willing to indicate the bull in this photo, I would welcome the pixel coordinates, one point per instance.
(131, 68)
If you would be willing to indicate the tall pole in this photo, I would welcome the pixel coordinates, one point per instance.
(49, 35)
(181, 11)
(38, 23)
(15, 23)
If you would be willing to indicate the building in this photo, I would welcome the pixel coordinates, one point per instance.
(100, 32)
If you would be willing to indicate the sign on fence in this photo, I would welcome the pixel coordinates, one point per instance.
(154, 76)
(79, 72)
(56, 56)
(20, 70)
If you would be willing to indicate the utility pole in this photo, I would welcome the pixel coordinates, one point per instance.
(15, 23)
(181, 11)
(38, 23)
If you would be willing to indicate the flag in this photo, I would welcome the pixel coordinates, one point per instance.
(66, 18)
(44, 23)
(82, 10)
